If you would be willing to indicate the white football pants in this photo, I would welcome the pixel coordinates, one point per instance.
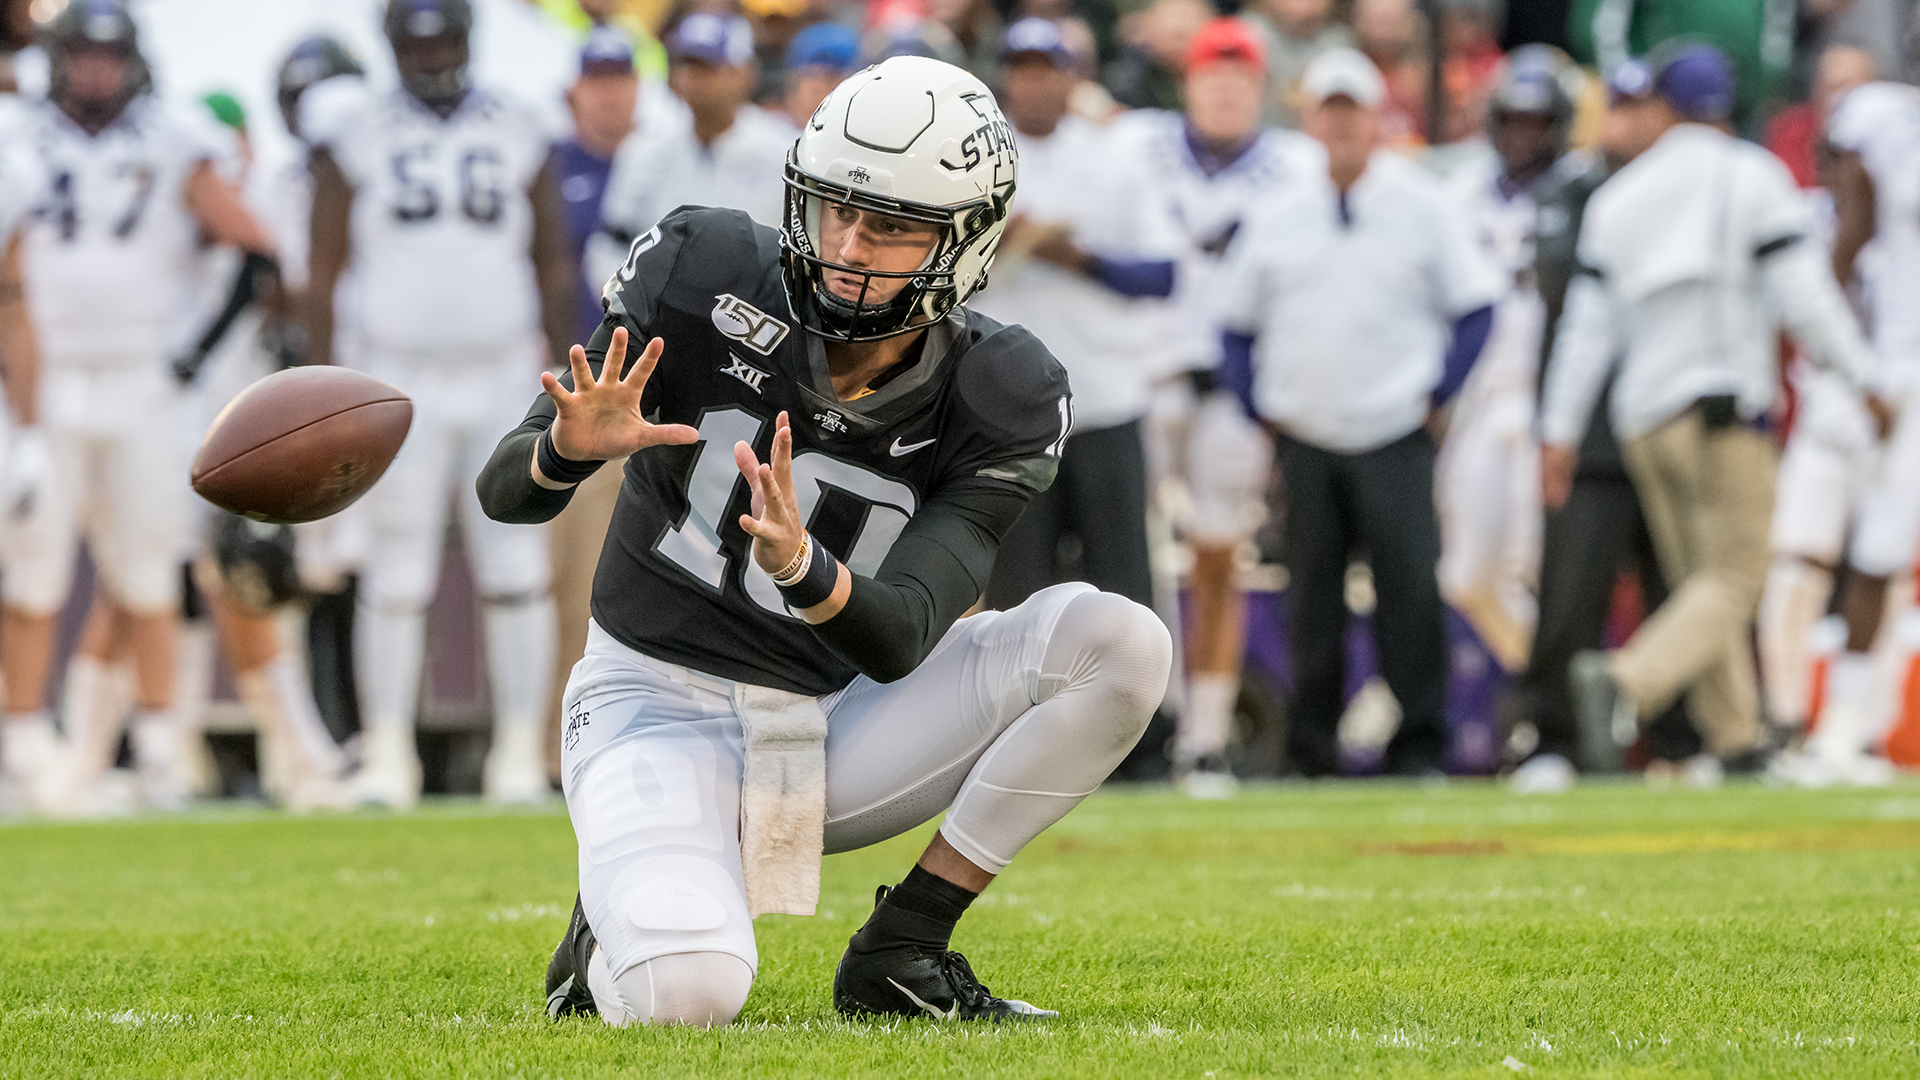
(1823, 472)
(119, 478)
(1487, 492)
(1013, 719)
(460, 411)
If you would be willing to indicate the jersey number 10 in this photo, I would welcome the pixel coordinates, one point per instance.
(714, 486)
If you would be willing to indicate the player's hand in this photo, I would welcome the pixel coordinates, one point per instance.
(1556, 474)
(775, 523)
(599, 419)
(1882, 412)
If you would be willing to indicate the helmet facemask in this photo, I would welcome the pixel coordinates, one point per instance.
(414, 27)
(97, 30)
(931, 291)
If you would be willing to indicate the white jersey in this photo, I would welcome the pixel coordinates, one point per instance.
(442, 223)
(1081, 179)
(111, 255)
(664, 166)
(1501, 219)
(22, 183)
(1881, 123)
(1209, 207)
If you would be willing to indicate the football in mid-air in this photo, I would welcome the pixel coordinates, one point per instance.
(301, 444)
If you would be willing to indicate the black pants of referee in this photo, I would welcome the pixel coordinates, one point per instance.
(1099, 499)
(1379, 503)
(1587, 542)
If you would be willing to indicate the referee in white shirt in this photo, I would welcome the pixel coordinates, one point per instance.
(1355, 305)
(1689, 256)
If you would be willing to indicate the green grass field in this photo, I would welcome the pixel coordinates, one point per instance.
(1298, 931)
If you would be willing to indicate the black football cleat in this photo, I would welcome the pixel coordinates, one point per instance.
(567, 991)
(906, 979)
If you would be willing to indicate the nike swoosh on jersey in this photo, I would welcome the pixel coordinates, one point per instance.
(901, 451)
(915, 998)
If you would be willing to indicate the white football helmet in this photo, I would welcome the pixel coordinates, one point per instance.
(911, 137)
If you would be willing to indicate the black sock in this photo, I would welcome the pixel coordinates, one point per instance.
(921, 910)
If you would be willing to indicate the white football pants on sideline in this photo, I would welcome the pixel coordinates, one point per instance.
(119, 478)
(1886, 540)
(1487, 492)
(1822, 472)
(460, 411)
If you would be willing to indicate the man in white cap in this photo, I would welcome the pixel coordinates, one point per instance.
(729, 157)
(1355, 306)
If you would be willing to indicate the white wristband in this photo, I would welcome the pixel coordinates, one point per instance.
(805, 561)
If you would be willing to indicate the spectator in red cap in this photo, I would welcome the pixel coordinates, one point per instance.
(1294, 32)
(1217, 166)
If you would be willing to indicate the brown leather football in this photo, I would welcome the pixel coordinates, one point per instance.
(301, 444)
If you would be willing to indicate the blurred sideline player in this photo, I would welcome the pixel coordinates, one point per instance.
(1091, 241)
(1875, 137)
(1217, 164)
(1487, 476)
(748, 697)
(133, 189)
(729, 156)
(25, 751)
(243, 570)
(330, 552)
(1828, 455)
(442, 197)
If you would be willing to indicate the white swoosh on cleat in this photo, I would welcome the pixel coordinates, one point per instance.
(915, 998)
(559, 996)
(901, 451)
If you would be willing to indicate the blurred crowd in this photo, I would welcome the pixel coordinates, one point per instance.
(1477, 387)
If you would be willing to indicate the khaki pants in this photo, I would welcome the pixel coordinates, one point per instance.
(1708, 500)
(577, 536)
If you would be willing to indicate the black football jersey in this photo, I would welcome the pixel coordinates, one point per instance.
(983, 404)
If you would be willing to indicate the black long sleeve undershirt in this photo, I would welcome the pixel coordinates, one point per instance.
(506, 487)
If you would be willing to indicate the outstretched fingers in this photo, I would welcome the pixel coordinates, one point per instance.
(782, 455)
(759, 479)
(582, 377)
(636, 379)
(616, 358)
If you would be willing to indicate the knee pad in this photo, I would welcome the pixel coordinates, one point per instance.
(1116, 647)
(667, 904)
(699, 989)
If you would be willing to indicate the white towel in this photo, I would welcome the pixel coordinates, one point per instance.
(783, 799)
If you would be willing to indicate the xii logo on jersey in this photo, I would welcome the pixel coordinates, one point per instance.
(747, 324)
(745, 372)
